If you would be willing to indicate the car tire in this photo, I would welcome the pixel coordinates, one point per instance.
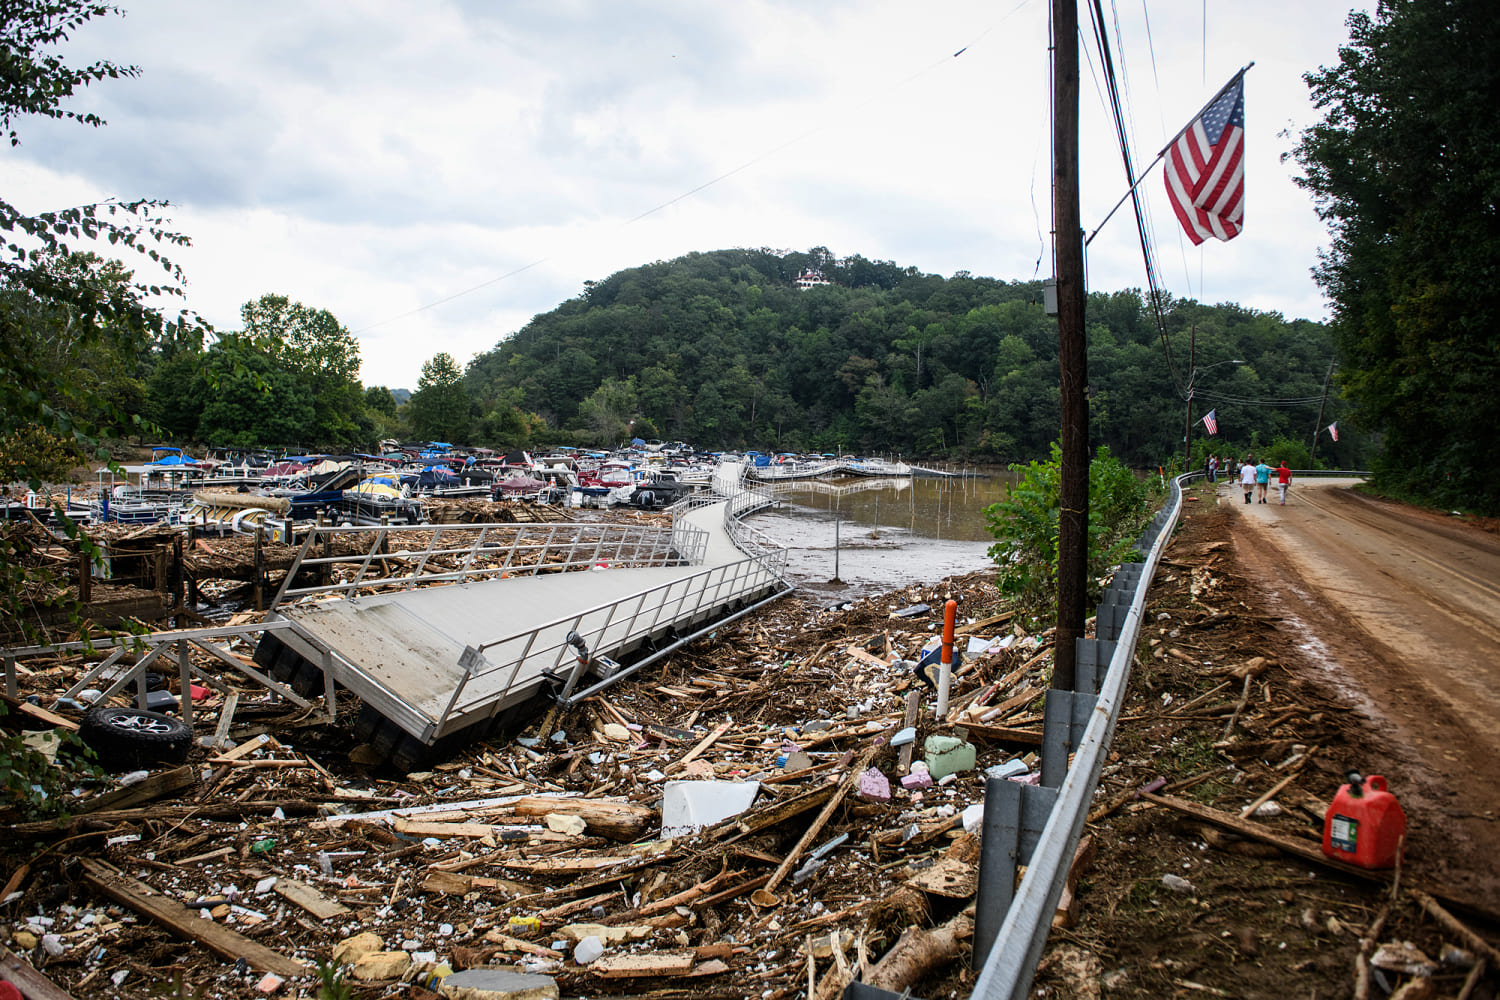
(128, 739)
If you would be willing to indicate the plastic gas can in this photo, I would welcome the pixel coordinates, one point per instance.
(1365, 823)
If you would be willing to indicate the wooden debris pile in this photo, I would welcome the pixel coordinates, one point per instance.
(768, 814)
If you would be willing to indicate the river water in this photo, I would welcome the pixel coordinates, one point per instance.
(889, 532)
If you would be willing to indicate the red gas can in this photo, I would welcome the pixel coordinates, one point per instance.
(1365, 824)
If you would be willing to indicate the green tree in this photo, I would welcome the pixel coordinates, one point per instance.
(255, 401)
(378, 399)
(321, 354)
(439, 409)
(97, 307)
(1405, 170)
(103, 304)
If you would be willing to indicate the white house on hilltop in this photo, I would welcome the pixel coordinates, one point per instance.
(810, 278)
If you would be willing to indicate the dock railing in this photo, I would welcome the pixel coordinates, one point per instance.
(564, 647)
(387, 558)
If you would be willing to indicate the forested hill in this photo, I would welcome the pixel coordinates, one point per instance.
(723, 349)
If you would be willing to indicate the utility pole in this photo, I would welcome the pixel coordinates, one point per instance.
(1072, 346)
(1313, 452)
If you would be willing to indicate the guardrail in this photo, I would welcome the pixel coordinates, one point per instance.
(402, 557)
(1039, 826)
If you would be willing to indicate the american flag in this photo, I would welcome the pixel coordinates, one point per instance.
(1205, 172)
(1333, 430)
(1211, 421)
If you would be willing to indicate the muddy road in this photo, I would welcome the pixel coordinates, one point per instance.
(1398, 613)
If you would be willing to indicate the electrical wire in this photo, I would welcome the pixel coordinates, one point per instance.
(827, 122)
(1101, 36)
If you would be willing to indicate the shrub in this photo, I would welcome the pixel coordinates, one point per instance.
(1025, 524)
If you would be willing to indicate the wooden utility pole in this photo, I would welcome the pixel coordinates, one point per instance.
(1072, 531)
(1313, 452)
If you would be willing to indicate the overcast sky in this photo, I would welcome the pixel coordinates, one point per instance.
(377, 158)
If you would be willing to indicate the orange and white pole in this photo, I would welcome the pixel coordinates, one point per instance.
(945, 667)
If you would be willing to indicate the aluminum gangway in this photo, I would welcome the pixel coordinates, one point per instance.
(441, 640)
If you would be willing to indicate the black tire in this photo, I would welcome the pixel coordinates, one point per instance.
(127, 739)
(647, 499)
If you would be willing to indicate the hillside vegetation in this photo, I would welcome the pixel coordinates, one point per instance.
(723, 350)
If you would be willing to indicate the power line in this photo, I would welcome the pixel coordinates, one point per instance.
(828, 122)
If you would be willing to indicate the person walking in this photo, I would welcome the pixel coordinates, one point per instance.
(1262, 481)
(1283, 480)
(1213, 469)
(1247, 477)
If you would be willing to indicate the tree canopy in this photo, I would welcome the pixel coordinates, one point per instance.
(723, 350)
(66, 310)
(1405, 169)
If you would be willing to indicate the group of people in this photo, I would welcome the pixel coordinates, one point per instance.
(1255, 477)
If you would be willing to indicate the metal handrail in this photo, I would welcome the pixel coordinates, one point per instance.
(764, 564)
(547, 548)
(1011, 964)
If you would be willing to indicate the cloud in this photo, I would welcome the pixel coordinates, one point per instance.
(377, 158)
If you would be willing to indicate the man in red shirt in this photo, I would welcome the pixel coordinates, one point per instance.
(1283, 480)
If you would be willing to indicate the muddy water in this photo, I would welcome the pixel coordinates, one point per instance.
(889, 532)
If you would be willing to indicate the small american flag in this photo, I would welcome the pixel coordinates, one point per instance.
(1211, 421)
(1333, 430)
(1205, 172)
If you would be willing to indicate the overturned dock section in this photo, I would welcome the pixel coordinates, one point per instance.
(443, 640)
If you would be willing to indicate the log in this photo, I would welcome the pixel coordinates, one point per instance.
(621, 821)
(918, 952)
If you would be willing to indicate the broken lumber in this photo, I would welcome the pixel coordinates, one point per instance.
(1453, 924)
(32, 984)
(850, 777)
(310, 899)
(622, 821)
(154, 787)
(183, 922)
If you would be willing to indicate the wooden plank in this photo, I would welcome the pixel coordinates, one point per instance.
(32, 984)
(563, 864)
(423, 828)
(40, 714)
(154, 787)
(186, 923)
(627, 966)
(781, 811)
(954, 878)
(497, 936)
(1306, 850)
(864, 657)
(309, 899)
(246, 748)
(913, 705)
(226, 719)
(707, 742)
(1005, 734)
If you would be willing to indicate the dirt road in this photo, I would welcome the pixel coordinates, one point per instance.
(1399, 613)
